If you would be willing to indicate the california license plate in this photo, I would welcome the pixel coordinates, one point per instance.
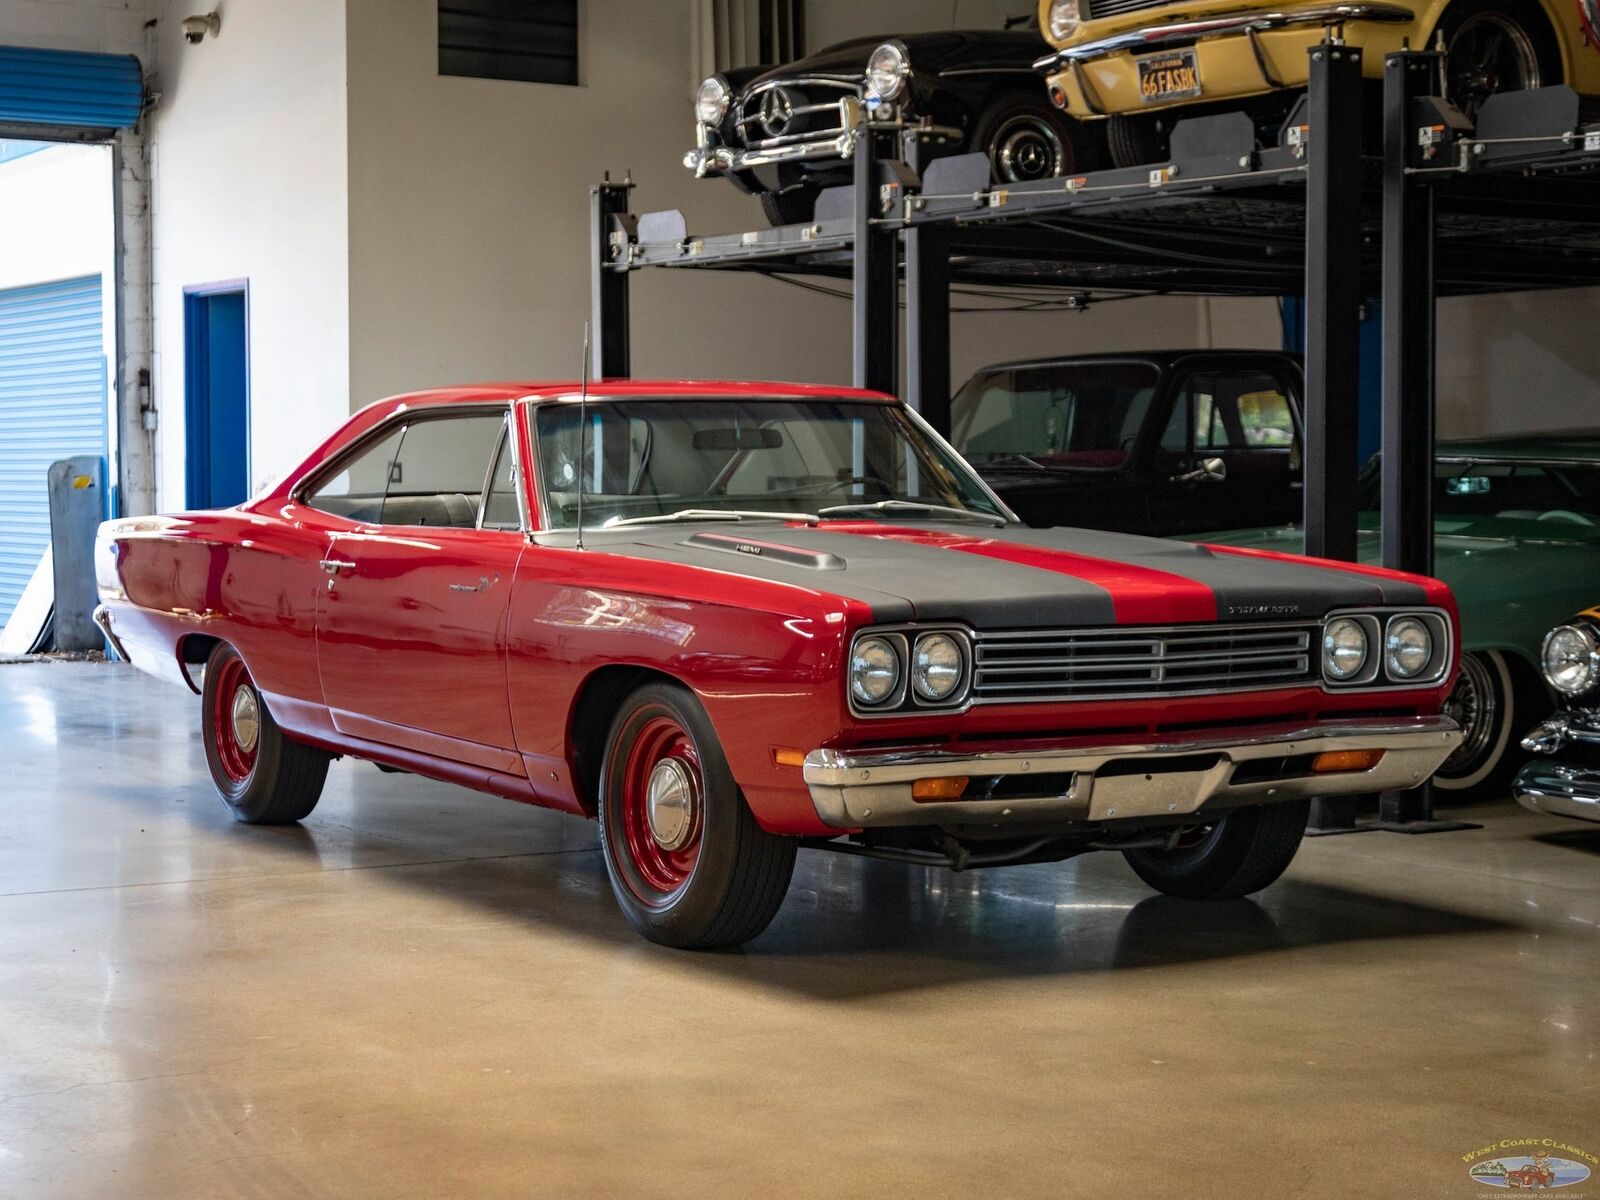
(1173, 76)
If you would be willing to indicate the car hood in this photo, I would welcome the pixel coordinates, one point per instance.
(929, 52)
(1017, 577)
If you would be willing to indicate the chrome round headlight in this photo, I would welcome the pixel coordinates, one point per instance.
(711, 101)
(887, 70)
(1064, 19)
(1407, 648)
(874, 670)
(937, 666)
(1344, 648)
(1571, 664)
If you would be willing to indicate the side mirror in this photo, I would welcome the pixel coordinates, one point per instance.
(1210, 470)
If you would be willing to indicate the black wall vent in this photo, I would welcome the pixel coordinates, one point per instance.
(535, 41)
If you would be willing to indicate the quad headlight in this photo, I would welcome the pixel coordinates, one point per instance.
(1407, 648)
(887, 71)
(1064, 18)
(874, 671)
(1345, 647)
(938, 667)
(711, 101)
(1571, 659)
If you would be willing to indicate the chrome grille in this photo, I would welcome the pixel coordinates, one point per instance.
(1114, 8)
(1078, 664)
(810, 107)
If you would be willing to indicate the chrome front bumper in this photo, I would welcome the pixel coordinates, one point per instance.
(708, 158)
(1249, 21)
(1564, 789)
(1139, 781)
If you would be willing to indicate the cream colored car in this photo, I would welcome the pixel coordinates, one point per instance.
(1144, 63)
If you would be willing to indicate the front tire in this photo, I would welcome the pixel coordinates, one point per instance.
(1491, 46)
(262, 776)
(1137, 139)
(688, 864)
(793, 206)
(1246, 850)
(1487, 705)
(1026, 140)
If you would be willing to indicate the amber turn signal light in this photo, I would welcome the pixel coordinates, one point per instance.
(946, 787)
(1331, 762)
(788, 756)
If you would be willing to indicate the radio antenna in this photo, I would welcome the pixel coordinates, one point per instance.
(583, 429)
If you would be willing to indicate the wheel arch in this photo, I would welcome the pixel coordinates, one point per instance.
(194, 649)
(589, 718)
(1430, 18)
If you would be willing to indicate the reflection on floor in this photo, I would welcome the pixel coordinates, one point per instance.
(427, 992)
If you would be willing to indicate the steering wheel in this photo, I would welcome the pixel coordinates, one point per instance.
(1567, 515)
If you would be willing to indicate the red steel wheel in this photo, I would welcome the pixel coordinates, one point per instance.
(663, 794)
(262, 775)
(236, 717)
(688, 863)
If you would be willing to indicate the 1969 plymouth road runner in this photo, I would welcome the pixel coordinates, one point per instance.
(730, 620)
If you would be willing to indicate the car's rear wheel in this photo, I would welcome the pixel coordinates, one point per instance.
(1242, 852)
(1485, 704)
(1027, 140)
(687, 862)
(1491, 46)
(262, 776)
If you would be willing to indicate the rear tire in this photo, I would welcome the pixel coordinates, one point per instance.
(1245, 851)
(688, 864)
(262, 776)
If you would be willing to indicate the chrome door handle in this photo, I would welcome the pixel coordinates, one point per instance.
(334, 565)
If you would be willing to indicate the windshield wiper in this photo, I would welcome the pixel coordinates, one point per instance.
(711, 514)
(1012, 459)
(910, 506)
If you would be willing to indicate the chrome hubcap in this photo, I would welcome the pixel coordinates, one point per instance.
(1027, 148)
(669, 803)
(246, 719)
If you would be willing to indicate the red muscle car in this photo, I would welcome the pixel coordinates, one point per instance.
(731, 620)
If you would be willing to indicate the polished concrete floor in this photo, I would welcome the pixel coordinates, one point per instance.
(425, 992)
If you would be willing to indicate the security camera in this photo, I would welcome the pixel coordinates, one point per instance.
(196, 28)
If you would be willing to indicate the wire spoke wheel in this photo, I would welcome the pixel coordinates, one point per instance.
(1474, 705)
(1490, 52)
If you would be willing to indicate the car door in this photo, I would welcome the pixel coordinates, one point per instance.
(1247, 417)
(411, 619)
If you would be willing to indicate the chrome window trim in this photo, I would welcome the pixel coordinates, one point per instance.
(401, 417)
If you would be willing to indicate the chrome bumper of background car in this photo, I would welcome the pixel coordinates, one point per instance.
(716, 160)
(1157, 36)
(1564, 789)
(1147, 780)
(1581, 725)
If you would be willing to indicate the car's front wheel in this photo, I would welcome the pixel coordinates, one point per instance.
(1492, 46)
(1486, 705)
(687, 862)
(1244, 851)
(1027, 140)
(262, 776)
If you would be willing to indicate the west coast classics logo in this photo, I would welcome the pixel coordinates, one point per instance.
(1527, 1164)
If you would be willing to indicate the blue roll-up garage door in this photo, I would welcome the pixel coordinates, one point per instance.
(52, 404)
(69, 90)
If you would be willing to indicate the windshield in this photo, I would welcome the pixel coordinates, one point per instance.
(1068, 415)
(647, 458)
(1464, 489)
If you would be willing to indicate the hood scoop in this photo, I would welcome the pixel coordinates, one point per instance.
(727, 543)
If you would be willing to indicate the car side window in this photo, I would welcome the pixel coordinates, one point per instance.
(500, 509)
(1229, 411)
(431, 472)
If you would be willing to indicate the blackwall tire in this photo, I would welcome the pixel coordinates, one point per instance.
(688, 864)
(1137, 139)
(1245, 851)
(1027, 139)
(262, 776)
(792, 206)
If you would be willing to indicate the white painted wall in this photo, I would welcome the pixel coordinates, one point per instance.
(96, 26)
(249, 182)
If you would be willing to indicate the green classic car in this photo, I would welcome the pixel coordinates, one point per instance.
(1517, 524)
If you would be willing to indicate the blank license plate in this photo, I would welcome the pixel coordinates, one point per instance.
(1168, 76)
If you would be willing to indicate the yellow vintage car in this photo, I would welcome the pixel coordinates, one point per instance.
(1136, 61)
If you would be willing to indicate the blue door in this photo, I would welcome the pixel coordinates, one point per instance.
(52, 405)
(218, 397)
